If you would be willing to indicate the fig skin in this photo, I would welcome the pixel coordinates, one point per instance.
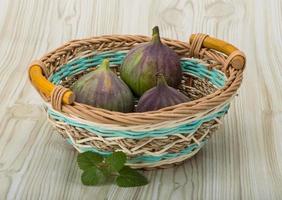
(144, 61)
(102, 88)
(160, 96)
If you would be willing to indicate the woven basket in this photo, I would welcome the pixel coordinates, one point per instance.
(212, 73)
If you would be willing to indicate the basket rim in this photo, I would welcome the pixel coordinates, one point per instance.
(233, 82)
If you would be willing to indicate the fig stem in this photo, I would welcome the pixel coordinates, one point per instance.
(156, 35)
(105, 64)
(161, 80)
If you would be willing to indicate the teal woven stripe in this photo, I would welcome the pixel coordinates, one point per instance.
(148, 158)
(82, 64)
(105, 132)
(192, 67)
(215, 76)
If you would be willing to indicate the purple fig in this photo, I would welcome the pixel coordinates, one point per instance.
(160, 96)
(145, 60)
(103, 89)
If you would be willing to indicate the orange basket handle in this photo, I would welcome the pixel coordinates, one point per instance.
(236, 58)
(44, 86)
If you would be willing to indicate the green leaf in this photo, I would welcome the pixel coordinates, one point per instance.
(97, 170)
(116, 161)
(92, 176)
(88, 159)
(106, 171)
(130, 178)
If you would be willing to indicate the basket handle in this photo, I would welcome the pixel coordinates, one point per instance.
(43, 85)
(236, 58)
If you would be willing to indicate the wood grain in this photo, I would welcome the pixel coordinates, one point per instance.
(242, 161)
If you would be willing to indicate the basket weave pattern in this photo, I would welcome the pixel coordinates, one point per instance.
(152, 139)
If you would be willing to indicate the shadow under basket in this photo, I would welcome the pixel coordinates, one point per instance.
(212, 74)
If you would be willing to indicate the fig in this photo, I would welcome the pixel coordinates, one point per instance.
(160, 96)
(102, 88)
(141, 64)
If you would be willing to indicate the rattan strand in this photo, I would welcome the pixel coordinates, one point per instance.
(56, 97)
(197, 44)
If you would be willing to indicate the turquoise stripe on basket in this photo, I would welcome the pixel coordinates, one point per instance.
(148, 158)
(189, 66)
(106, 132)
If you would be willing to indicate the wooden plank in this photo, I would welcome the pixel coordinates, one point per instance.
(241, 161)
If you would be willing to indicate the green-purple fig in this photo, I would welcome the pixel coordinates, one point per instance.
(103, 89)
(144, 61)
(160, 96)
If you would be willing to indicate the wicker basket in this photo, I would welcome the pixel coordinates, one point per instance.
(213, 71)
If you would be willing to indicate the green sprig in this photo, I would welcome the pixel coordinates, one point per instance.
(98, 170)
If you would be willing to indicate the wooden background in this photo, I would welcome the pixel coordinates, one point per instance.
(242, 161)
